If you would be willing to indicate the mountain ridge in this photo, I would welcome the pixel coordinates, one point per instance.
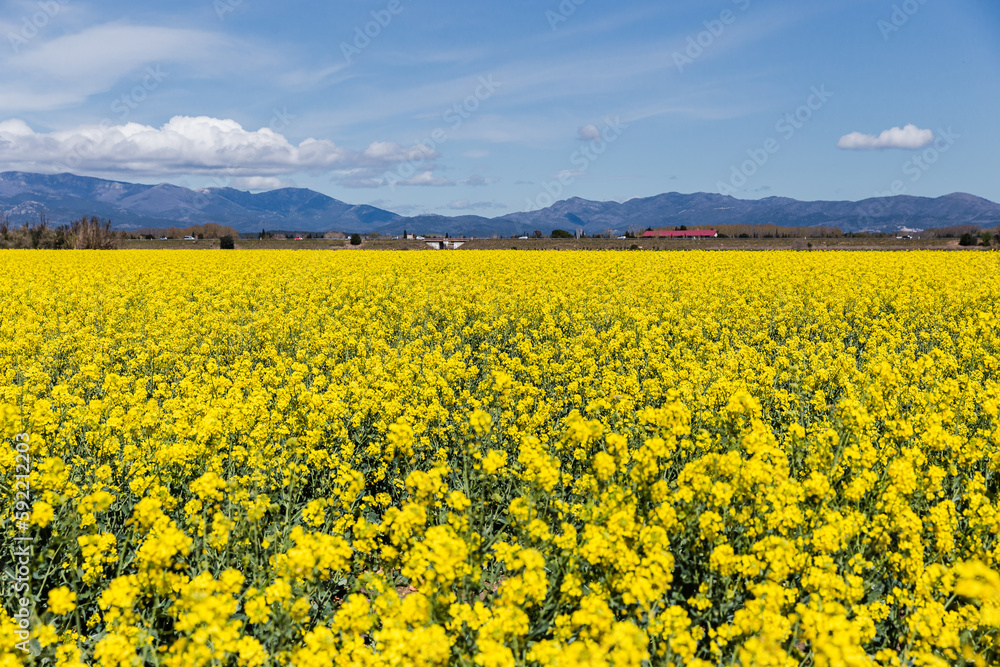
(66, 197)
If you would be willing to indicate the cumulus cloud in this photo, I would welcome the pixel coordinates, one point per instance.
(188, 145)
(588, 133)
(909, 137)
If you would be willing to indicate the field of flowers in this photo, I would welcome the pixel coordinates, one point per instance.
(500, 458)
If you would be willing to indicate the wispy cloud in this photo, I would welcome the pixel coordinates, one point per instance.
(427, 179)
(575, 74)
(54, 70)
(68, 69)
(478, 181)
(466, 205)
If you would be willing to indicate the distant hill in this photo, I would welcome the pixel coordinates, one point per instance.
(65, 197)
(706, 210)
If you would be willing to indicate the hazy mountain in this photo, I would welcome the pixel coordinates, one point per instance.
(707, 210)
(65, 197)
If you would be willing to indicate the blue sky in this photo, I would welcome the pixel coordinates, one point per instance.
(495, 107)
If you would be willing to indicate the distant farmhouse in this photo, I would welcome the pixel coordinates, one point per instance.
(443, 243)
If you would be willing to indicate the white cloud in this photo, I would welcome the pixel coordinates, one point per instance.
(369, 178)
(907, 138)
(477, 181)
(123, 48)
(67, 69)
(188, 145)
(466, 205)
(360, 180)
(260, 183)
(588, 133)
(57, 69)
(427, 178)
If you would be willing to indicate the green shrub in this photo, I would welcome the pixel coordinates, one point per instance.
(227, 242)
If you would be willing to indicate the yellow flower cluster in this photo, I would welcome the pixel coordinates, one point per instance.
(504, 458)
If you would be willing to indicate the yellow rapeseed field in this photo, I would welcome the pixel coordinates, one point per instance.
(500, 458)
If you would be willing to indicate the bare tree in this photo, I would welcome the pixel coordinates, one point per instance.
(93, 234)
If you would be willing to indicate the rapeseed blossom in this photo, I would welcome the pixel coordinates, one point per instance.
(316, 458)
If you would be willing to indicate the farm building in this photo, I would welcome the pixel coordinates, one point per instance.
(442, 243)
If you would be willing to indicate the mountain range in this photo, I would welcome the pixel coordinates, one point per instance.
(66, 197)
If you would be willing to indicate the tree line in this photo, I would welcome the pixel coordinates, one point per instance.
(87, 233)
(209, 230)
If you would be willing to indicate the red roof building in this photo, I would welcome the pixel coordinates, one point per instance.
(689, 234)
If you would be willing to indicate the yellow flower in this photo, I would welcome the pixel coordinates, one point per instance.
(257, 609)
(494, 461)
(62, 600)
(42, 514)
(279, 591)
(480, 421)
